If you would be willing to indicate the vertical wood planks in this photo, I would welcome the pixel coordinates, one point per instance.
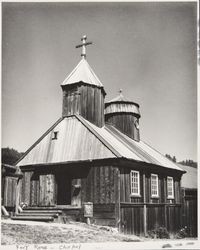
(86, 100)
(125, 122)
(35, 190)
(9, 195)
(189, 211)
(47, 190)
(27, 187)
(100, 185)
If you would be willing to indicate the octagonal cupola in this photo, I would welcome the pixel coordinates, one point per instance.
(124, 115)
(83, 92)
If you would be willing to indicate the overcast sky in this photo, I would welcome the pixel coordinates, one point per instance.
(147, 49)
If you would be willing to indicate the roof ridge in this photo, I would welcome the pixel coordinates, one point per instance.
(107, 144)
(129, 147)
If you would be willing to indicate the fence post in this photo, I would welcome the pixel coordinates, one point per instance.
(17, 202)
(145, 206)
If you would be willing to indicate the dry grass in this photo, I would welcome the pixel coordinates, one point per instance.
(72, 233)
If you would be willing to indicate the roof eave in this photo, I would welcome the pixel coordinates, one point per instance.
(83, 83)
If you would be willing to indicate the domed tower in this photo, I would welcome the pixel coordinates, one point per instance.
(124, 115)
(83, 93)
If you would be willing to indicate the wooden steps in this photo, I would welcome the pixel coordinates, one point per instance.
(33, 218)
(38, 214)
(27, 211)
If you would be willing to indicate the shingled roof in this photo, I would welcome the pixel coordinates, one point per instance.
(79, 140)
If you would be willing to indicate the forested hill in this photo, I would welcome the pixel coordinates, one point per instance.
(189, 162)
(10, 156)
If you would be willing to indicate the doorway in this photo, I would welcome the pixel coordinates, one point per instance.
(63, 189)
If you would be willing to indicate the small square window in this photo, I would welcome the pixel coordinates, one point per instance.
(154, 185)
(55, 135)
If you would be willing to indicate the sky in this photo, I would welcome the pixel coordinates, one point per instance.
(146, 49)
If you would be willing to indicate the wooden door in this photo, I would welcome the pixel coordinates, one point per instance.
(47, 190)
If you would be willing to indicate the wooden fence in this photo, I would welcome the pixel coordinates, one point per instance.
(135, 221)
(189, 211)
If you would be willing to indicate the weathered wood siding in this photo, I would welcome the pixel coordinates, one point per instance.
(38, 189)
(125, 191)
(47, 190)
(101, 187)
(9, 191)
(97, 184)
(189, 211)
(155, 216)
(35, 190)
(125, 123)
(159, 211)
(125, 187)
(132, 219)
(173, 218)
(85, 100)
(26, 188)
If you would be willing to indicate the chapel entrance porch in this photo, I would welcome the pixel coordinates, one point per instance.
(52, 189)
(50, 195)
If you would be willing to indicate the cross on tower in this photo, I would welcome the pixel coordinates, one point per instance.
(83, 45)
(120, 92)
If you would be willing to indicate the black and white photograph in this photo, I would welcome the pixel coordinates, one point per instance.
(99, 125)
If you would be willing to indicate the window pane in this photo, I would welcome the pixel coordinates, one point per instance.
(170, 187)
(154, 185)
(134, 178)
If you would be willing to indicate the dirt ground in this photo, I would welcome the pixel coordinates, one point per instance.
(15, 232)
(89, 236)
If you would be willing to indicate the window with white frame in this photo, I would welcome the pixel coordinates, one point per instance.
(170, 187)
(154, 185)
(135, 182)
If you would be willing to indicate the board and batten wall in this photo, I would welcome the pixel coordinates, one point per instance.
(85, 100)
(142, 213)
(108, 188)
(125, 122)
(8, 191)
(189, 211)
(102, 188)
(98, 184)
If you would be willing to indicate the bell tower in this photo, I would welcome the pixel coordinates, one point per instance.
(83, 93)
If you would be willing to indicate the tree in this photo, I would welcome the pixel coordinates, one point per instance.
(174, 159)
(10, 155)
(189, 162)
(171, 158)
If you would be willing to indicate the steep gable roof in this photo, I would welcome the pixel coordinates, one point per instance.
(79, 140)
(74, 143)
(82, 73)
(139, 150)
